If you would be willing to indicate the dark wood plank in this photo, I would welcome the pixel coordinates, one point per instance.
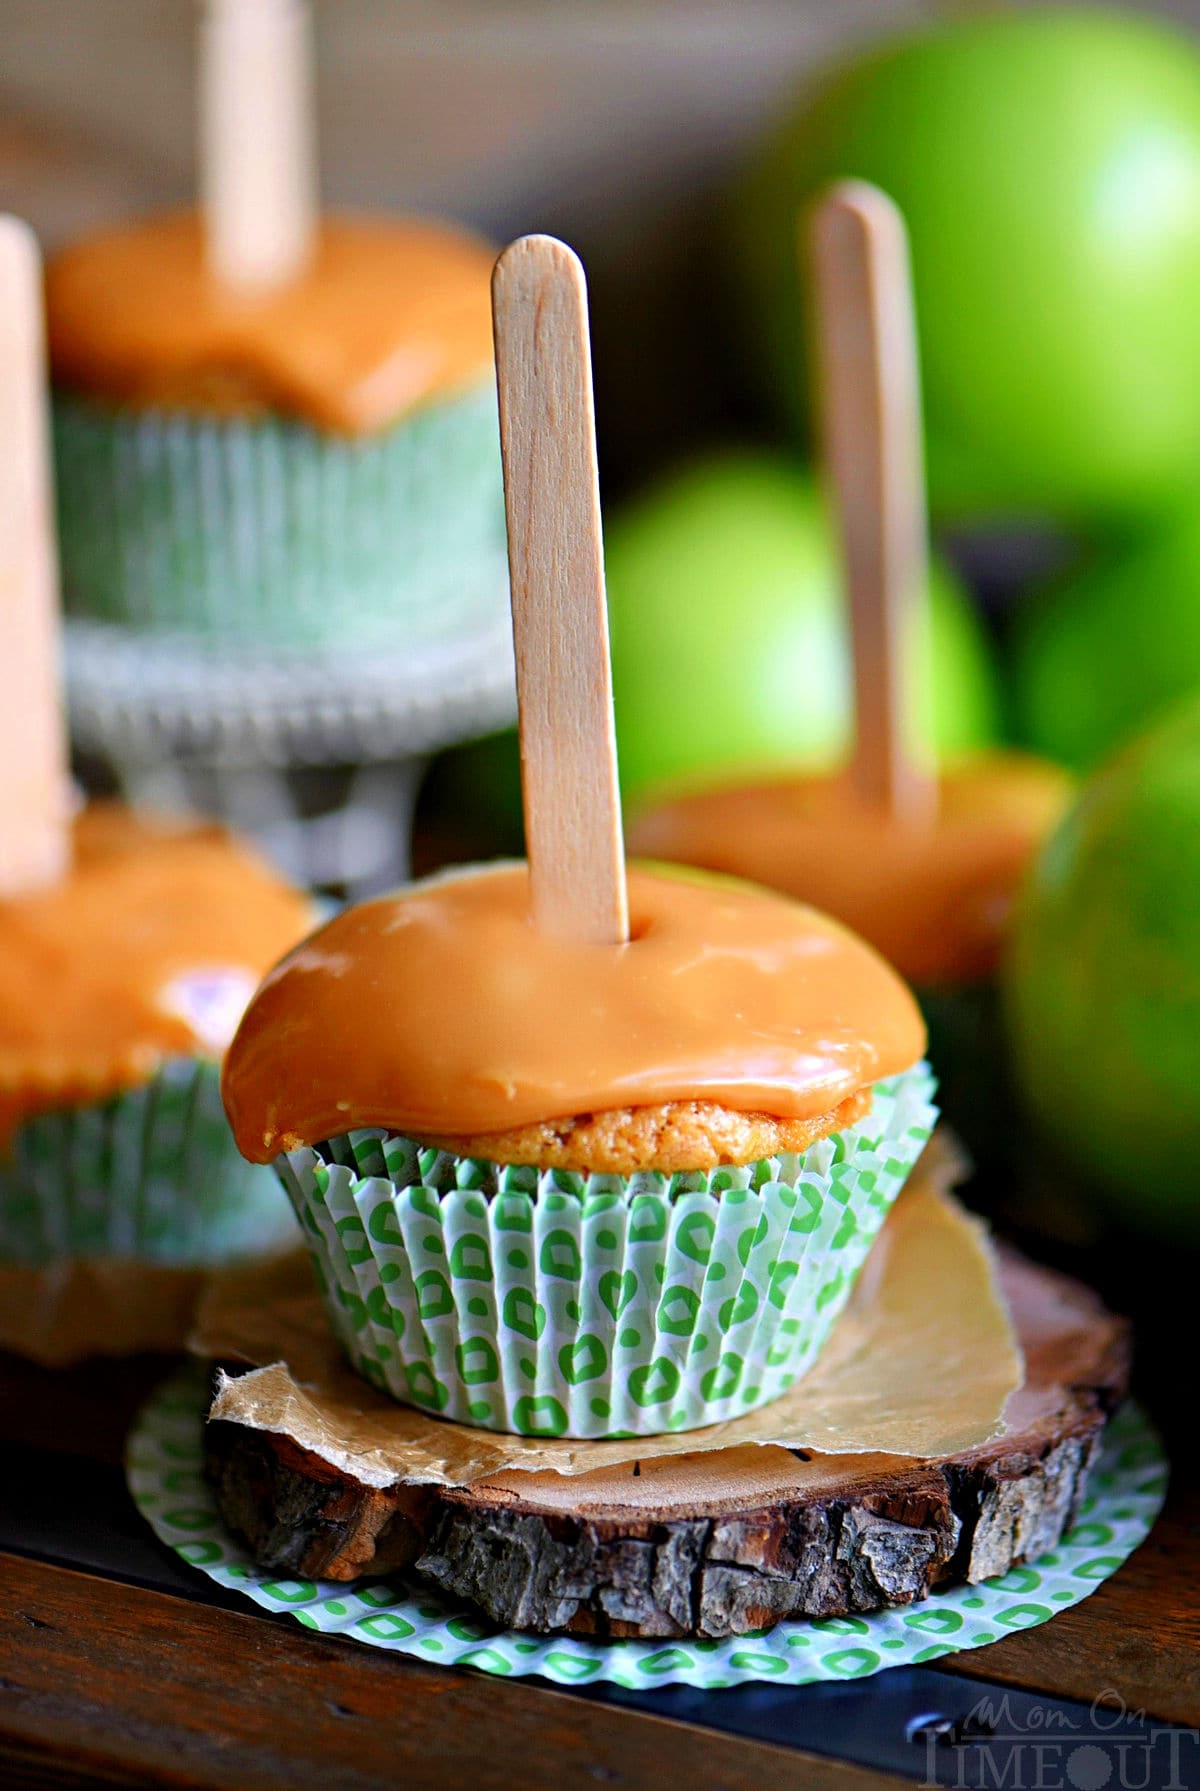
(107, 1684)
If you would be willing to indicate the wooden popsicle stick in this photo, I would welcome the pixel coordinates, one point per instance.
(560, 617)
(871, 426)
(34, 786)
(257, 155)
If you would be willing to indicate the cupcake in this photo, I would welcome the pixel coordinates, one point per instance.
(308, 464)
(935, 900)
(124, 981)
(571, 1189)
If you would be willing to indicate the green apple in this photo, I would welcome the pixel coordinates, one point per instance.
(728, 628)
(1103, 984)
(1098, 657)
(1048, 165)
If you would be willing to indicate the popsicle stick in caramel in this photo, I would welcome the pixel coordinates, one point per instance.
(560, 618)
(257, 155)
(871, 428)
(34, 788)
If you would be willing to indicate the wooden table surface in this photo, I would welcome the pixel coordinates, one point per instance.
(145, 1673)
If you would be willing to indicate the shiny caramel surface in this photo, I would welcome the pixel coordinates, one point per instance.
(935, 901)
(442, 1011)
(148, 949)
(390, 313)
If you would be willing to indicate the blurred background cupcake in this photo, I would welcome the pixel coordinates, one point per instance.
(273, 428)
(278, 475)
(311, 462)
(119, 1182)
(129, 948)
(126, 967)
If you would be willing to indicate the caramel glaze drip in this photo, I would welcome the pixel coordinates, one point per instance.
(391, 313)
(935, 901)
(441, 1011)
(90, 968)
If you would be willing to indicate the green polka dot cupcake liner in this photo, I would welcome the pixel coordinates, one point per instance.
(548, 1303)
(151, 1174)
(1126, 1488)
(264, 531)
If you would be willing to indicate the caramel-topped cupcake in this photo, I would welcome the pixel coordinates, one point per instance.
(309, 462)
(123, 983)
(565, 1188)
(935, 899)
(389, 315)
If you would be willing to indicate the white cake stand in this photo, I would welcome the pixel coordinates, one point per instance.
(316, 755)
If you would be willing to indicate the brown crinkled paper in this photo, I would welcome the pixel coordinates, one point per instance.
(920, 1363)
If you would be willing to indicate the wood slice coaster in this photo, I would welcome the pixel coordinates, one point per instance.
(712, 1544)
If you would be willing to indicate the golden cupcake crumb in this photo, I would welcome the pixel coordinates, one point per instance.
(673, 1137)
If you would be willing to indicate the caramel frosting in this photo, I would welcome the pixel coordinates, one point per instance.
(149, 949)
(935, 901)
(390, 313)
(442, 1011)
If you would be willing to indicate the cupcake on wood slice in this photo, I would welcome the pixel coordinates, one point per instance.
(581, 1189)
(128, 950)
(925, 866)
(275, 428)
(577, 1155)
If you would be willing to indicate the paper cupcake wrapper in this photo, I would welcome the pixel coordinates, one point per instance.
(267, 531)
(152, 1174)
(165, 1469)
(554, 1304)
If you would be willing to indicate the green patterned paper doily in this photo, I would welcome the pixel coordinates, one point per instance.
(164, 1466)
